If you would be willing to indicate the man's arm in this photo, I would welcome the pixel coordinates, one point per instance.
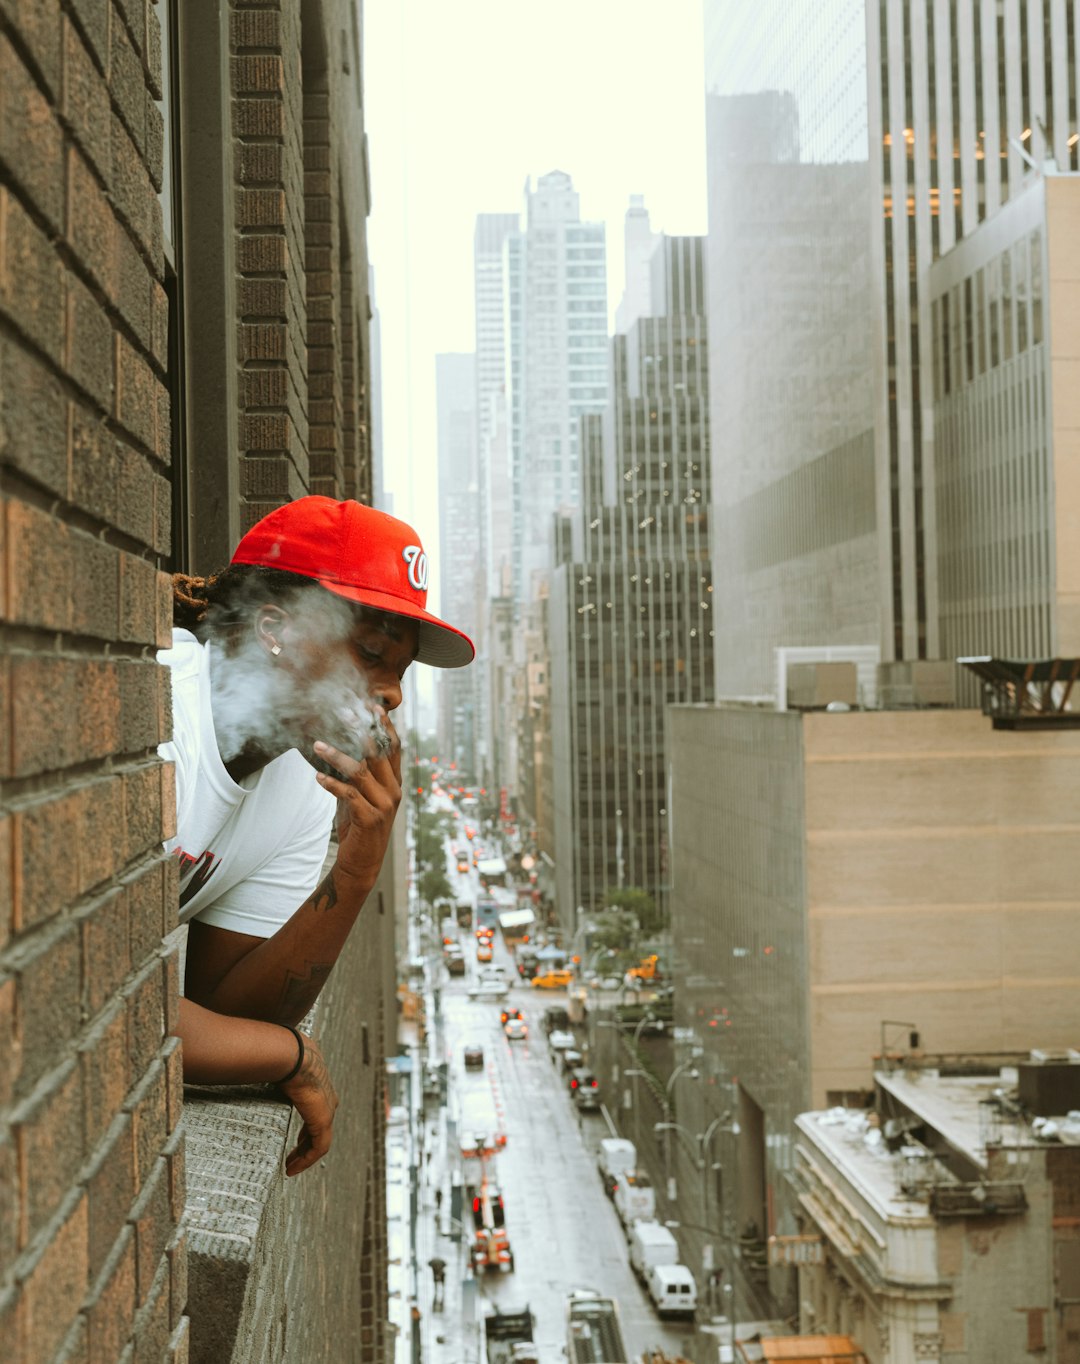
(222, 1050)
(279, 978)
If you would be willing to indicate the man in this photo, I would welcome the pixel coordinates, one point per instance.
(285, 670)
(438, 1275)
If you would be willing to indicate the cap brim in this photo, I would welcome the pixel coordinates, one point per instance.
(440, 645)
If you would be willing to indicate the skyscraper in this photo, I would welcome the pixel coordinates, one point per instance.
(459, 551)
(630, 614)
(562, 334)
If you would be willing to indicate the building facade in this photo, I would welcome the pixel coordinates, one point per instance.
(460, 546)
(183, 345)
(630, 619)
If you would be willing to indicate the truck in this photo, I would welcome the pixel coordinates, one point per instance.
(593, 1331)
(614, 1157)
(635, 1198)
(509, 1337)
(651, 1244)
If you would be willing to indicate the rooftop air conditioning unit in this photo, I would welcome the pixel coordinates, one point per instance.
(917, 683)
(813, 686)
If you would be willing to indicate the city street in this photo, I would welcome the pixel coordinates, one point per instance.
(562, 1228)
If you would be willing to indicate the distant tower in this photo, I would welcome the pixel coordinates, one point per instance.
(639, 243)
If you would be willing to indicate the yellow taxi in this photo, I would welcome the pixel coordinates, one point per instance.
(552, 980)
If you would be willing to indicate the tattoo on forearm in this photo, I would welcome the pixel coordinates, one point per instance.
(301, 990)
(325, 896)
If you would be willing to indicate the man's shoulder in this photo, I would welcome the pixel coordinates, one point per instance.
(184, 657)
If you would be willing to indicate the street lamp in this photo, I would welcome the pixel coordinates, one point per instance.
(669, 1178)
(702, 1141)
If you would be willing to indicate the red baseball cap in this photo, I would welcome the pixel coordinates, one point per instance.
(362, 555)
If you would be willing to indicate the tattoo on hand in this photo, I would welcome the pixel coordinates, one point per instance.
(301, 990)
(325, 896)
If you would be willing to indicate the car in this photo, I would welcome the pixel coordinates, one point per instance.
(463, 866)
(455, 965)
(584, 1087)
(552, 980)
(606, 983)
(473, 1056)
(507, 1014)
(555, 1016)
(559, 1040)
(570, 1059)
(483, 951)
(489, 989)
(516, 1029)
(485, 931)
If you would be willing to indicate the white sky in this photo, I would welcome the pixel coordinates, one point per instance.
(463, 101)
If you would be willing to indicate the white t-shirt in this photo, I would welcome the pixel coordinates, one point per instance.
(250, 852)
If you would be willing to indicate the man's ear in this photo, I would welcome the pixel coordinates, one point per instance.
(270, 622)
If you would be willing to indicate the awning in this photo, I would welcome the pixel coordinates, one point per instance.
(813, 1349)
(517, 918)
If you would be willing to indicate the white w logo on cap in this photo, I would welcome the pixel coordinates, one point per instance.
(415, 557)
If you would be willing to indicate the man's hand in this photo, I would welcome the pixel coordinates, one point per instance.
(311, 1093)
(368, 797)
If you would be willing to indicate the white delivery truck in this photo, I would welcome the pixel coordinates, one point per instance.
(672, 1290)
(635, 1198)
(615, 1155)
(651, 1244)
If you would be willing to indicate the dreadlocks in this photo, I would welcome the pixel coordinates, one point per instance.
(203, 604)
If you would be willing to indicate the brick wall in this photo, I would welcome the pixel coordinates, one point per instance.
(93, 1258)
(91, 1161)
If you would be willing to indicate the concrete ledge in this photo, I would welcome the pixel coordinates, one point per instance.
(235, 1218)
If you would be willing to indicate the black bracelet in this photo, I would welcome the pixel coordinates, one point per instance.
(300, 1057)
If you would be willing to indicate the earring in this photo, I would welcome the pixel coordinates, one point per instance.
(276, 650)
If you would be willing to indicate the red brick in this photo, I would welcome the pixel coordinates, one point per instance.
(180, 1343)
(98, 715)
(263, 255)
(95, 571)
(129, 185)
(56, 1283)
(31, 278)
(142, 809)
(143, 895)
(42, 713)
(106, 952)
(152, 51)
(178, 1278)
(49, 1146)
(260, 208)
(46, 882)
(149, 1118)
(9, 872)
(48, 1004)
(255, 28)
(175, 1150)
(107, 1071)
(10, 1044)
(135, 493)
(36, 597)
(37, 22)
(261, 75)
(33, 426)
(103, 848)
(30, 142)
(92, 460)
(136, 395)
(112, 1314)
(258, 118)
(110, 1187)
(171, 969)
(88, 350)
(10, 1212)
(85, 101)
(154, 1229)
(146, 1018)
(159, 324)
(152, 1324)
(90, 226)
(134, 286)
(260, 163)
(138, 600)
(127, 84)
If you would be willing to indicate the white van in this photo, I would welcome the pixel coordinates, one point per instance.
(635, 1198)
(672, 1290)
(616, 1154)
(651, 1244)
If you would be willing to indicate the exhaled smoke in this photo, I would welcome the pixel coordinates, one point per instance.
(311, 691)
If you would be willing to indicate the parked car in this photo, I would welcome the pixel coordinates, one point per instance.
(584, 1088)
(473, 1056)
(559, 1040)
(555, 1016)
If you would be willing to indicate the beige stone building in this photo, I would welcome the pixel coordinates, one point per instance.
(842, 880)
